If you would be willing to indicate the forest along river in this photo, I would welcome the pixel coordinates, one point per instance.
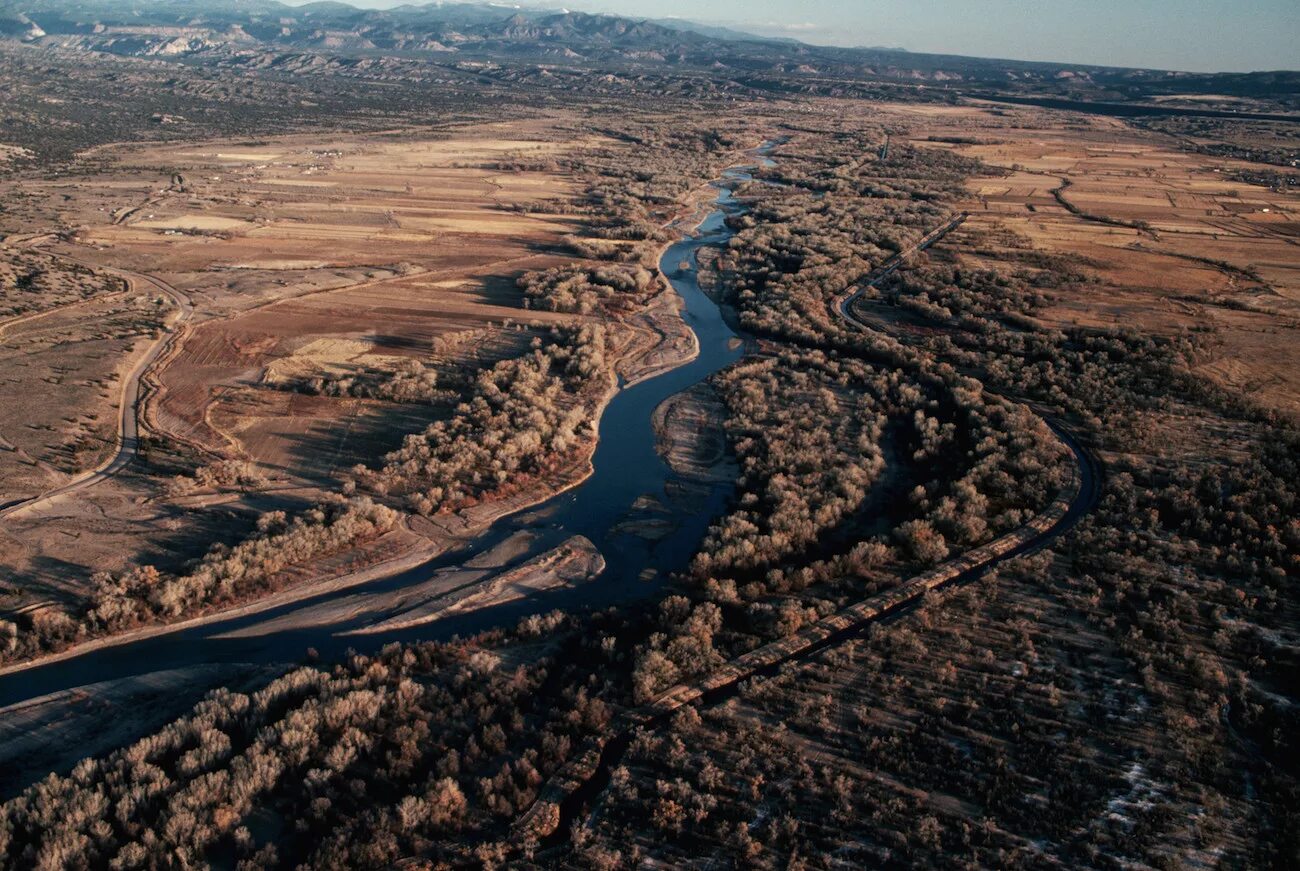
(626, 467)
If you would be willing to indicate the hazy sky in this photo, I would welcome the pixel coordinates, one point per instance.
(1177, 34)
(1172, 34)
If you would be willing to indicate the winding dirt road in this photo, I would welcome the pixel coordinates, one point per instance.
(128, 426)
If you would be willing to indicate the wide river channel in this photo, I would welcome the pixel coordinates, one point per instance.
(627, 466)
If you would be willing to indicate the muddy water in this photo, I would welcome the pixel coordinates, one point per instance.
(627, 469)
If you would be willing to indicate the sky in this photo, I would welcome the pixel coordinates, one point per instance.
(1201, 35)
(1209, 35)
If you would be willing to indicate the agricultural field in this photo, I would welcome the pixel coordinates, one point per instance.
(1171, 240)
(299, 259)
(332, 258)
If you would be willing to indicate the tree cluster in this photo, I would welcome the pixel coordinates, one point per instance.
(523, 417)
(410, 381)
(584, 290)
(408, 752)
(226, 575)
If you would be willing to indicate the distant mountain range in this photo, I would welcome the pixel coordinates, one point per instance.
(441, 32)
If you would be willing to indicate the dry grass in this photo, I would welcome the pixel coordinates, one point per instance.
(63, 360)
(300, 255)
(1218, 255)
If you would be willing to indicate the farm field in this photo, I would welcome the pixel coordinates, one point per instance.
(301, 258)
(1184, 245)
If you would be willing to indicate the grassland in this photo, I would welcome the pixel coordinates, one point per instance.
(313, 272)
(1169, 240)
(68, 373)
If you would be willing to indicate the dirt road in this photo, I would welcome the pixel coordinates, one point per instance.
(128, 427)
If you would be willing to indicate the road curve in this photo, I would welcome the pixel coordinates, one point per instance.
(843, 304)
(563, 801)
(128, 426)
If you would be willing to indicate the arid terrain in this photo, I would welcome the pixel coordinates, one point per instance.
(1176, 241)
(545, 446)
(300, 260)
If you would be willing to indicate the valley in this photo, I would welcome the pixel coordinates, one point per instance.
(452, 437)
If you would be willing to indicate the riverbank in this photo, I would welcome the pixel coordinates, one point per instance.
(584, 502)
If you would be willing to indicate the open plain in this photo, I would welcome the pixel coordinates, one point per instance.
(1172, 239)
(301, 259)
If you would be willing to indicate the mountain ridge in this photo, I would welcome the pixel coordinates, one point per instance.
(177, 30)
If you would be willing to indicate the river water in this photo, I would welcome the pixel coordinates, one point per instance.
(626, 464)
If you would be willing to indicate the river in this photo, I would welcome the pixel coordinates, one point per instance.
(626, 466)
